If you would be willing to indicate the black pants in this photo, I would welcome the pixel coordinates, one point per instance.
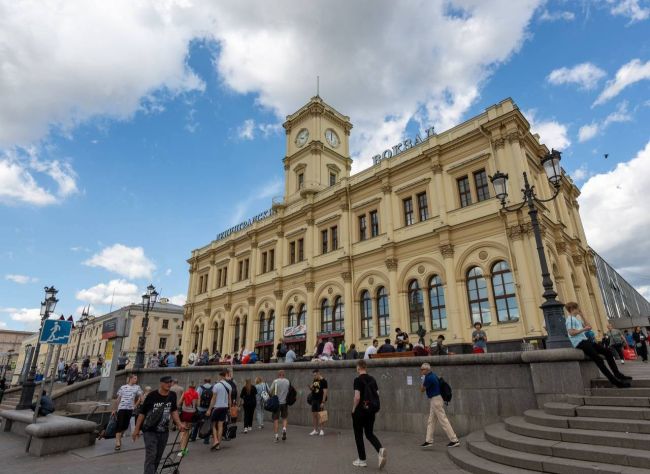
(249, 412)
(154, 447)
(592, 351)
(642, 350)
(618, 350)
(364, 422)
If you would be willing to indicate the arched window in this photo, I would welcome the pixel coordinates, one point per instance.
(366, 314)
(302, 314)
(504, 293)
(291, 317)
(437, 304)
(270, 326)
(338, 314)
(416, 306)
(477, 294)
(236, 345)
(382, 312)
(262, 331)
(325, 316)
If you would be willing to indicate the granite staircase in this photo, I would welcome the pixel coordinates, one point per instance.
(604, 431)
(10, 400)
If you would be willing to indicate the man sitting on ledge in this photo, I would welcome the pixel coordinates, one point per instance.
(576, 330)
(47, 405)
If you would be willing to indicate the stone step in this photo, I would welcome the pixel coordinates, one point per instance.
(498, 434)
(621, 392)
(609, 401)
(636, 383)
(519, 425)
(560, 409)
(478, 445)
(470, 462)
(587, 423)
(627, 413)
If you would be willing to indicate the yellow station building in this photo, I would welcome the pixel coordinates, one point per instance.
(417, 239)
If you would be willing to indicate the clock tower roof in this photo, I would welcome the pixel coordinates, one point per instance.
(317, 106)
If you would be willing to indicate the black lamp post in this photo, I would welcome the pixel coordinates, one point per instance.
(82, 323)
(552, 308)
(148, 302)
(27, 393)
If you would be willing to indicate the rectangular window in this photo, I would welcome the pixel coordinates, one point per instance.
(301, 250)
(246, 263)
(219, 278)
(423, 207)
(292, 252)
(408, 211)
(225, 276)
(165, 324)
(464, 191)
(205, 283)
(241, 270)
(332, 179)
(324, 241)
(335, 237)
(301, 180)
(362, 227)
(200, 285)
(482, 188)
(271, 259)
(264, 255)
(374, 224)
(162, 343)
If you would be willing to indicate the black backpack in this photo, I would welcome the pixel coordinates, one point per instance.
(370, 402)
(292, 395)
(445, 390)
(206, 397)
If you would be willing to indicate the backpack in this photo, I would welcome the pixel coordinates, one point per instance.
(292, 395)
(370, 402)
(445, 390)
(206, 397)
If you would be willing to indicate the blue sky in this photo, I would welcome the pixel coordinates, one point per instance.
(130, 135)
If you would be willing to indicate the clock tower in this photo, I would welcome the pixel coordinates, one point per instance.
(318, 149)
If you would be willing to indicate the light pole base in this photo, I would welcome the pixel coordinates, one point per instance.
(26, 395)
(555, 324)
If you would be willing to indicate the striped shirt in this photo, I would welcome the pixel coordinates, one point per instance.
(128, 395)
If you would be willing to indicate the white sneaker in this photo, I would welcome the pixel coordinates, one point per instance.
(381, 458)
(622, 361)
(313, 433)
(322, 433)
(359, 463)
(245, 430)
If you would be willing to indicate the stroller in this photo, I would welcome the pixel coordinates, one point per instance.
(173, 459)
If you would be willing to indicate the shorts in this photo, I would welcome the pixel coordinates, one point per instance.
(188, 416)
(281, 412)
(315, 406)
(219, 414)
(123, 420)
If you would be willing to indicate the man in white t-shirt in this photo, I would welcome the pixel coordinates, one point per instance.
(372, 349)
(280, 387)
(218, 410)
(128, 397)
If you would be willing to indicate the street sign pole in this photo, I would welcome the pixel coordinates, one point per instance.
(48, 360)
(55, 371)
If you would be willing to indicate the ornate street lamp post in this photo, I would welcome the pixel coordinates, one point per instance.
(82, 323)
(552, 308)
(29, 385)
(148, 302)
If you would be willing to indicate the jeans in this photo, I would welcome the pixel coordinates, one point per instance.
(61, 374)
(259, 413)
(592, 351)
(437, 412)
(364, 422)
(154, 446)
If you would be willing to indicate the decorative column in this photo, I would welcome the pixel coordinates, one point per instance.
(350, 310)
(456, 323)
(280, 249)
(313, 320)
(250, 320)
(279, 323)
(590, 311)
(346, 233)
(438, 190)
(387, 211)
(566, 270)
(397, 314)
(252, 266)
(229, 329)
(310, 251)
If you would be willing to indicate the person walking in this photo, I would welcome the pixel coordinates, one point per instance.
(281, 350)
(371, 350)
(280, 387)
(157, 409)
(640, 343)
(170, 360)
(431, 385)
(60, 369)
(576, 329)
(73, 373)
(616, 341)
(262, 390)
(248, 402)
(319, 391)
(365, 405)
(189, 410)
(122, 361)
(204, 393)
(179, 359)
(129, 396)
(218, 410)
(479, 338)
(352, 353)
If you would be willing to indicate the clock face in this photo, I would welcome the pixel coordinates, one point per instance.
(332, 138)
(302, 137)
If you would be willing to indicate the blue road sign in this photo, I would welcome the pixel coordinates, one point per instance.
(56, 331)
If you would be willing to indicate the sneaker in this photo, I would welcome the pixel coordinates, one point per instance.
(359, 463)
(621, 384)
(381, 458)
(245, 430)
(284, 435)
(426, 444)
(453, 444)
(622, 361)
(623, 377)
(261, 426)
(322, 433)
(276, 438)
(313, 433)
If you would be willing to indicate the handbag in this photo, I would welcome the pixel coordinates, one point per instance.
(272, 404)
(322, 417)
(153, 418)
(234, 411)
(111, 427)
(205, 430)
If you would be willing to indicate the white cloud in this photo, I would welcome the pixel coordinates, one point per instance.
(552, 133)
(585, 75)
(267, 191)
(21, 279)
(250, 129)
(3, 325)
(630, 9)
(580, 174)
(587, 132)
(130, 262)
(557, 15)
(116, 292)
(628, 74)
(246, 130)
(180, 299)
(30, 317)
(618, 200)
(168, 272)
(644, 290)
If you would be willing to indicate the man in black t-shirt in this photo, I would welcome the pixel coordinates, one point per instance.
(363, 416)
(155, 412)
(318, 398)
(401, 339)
(386, 347)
